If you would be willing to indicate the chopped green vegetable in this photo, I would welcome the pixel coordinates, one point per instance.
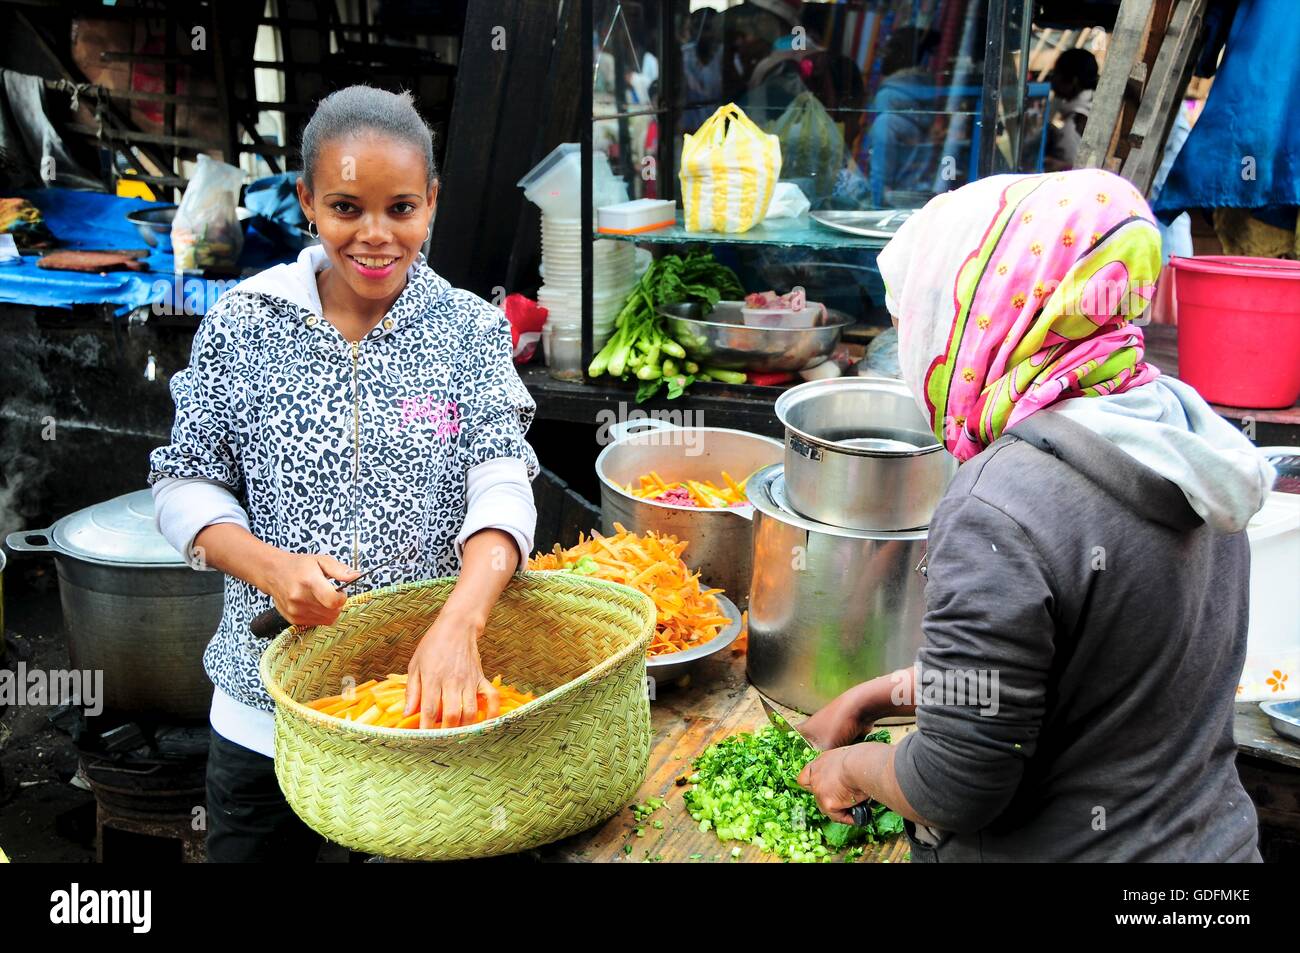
(746, 789)
(658, 824)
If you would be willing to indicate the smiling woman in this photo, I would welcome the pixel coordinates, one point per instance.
(372, 227)
(338, 414)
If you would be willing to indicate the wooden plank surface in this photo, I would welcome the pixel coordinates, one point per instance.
(1255, 736)
(717, 702)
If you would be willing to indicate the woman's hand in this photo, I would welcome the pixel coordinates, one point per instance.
(850, 716)
(302, 589)
(836, 778)
(838, 724)
(445, 676)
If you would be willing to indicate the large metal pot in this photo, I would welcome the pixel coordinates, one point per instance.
(828, 607)
(132, 608)
(3, 646)
(859, 454)
(719, 539)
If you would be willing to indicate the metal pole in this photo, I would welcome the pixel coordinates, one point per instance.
(585, 124)
(994, 27)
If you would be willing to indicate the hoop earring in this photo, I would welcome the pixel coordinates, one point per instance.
(429, 237)
(312, 230)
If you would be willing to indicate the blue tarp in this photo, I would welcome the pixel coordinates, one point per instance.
(95, 220)
(1244, 151)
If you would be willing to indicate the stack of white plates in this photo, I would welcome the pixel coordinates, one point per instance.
(616, 268)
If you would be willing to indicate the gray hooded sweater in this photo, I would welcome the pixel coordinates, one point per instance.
(1110, 603)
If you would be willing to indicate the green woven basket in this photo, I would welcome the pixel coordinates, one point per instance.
(552, 768)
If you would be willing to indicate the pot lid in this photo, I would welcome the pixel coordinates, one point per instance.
(119, 531)
(766, 490)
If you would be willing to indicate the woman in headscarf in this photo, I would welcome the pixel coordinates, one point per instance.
(1087, 587)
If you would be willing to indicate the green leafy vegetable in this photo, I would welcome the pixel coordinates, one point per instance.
(745, 788)
(640, 347)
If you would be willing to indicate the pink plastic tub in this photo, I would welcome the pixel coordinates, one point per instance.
(1239, 329)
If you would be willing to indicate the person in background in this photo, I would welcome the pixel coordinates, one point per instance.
(901, 153)
(1087, 586)
(350, 411)
(701, 66)
(1074, 77)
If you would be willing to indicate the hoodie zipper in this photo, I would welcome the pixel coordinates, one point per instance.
(356, 455)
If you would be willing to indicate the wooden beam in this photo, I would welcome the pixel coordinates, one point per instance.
(1169, 78)
(143, 157)
(1102, 131)
(224, 79)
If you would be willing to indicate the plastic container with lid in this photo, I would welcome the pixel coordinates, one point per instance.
(640, 215)
(807, 317)
(555, 184)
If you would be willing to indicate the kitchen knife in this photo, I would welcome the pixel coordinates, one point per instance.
(861, 812)
(269, 623)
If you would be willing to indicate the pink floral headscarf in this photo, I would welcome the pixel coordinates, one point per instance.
(1017, 291)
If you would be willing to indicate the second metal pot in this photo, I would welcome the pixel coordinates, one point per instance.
(859, 454)
(719, 538)
(828, 607)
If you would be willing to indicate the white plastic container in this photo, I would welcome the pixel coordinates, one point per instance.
(555, 184)
(1272, 668)
(631, 218)
(782, 317)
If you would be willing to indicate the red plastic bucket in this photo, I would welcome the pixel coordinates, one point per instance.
(1239, 329)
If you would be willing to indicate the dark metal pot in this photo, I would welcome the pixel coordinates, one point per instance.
(132, 608)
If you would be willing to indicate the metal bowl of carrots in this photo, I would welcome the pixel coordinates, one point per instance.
(672, 666)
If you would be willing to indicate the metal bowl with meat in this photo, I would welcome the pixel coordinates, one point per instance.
(720, 338)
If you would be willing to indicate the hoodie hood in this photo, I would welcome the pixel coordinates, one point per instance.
(1169, 429)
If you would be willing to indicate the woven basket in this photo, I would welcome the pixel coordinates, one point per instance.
(552, 768)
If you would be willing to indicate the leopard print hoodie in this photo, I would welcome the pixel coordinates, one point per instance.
(355, 450)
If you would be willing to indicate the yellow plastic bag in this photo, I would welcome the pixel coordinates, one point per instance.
(729, 168)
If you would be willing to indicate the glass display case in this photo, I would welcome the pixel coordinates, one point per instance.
(878, 104)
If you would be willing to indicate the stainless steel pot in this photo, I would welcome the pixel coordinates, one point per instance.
(719, 539)
(132, 608)
(828, 607)
(859, 454)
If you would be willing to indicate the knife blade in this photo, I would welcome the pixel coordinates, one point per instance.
(269, 623)
(861, 813)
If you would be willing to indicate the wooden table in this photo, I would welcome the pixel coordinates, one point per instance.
(1269, 766)
(717, 702)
